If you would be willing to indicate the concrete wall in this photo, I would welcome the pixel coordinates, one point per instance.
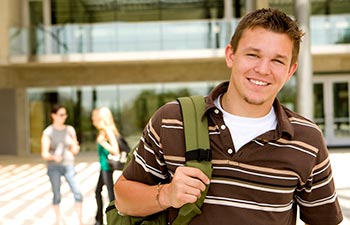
(16, 78)
(8, 125)
(142, 71)
(95, 73)
(330, 63)
(10, 16)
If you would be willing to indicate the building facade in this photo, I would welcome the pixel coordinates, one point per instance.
(133, 56)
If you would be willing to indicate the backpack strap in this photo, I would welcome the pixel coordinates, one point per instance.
(198, 153)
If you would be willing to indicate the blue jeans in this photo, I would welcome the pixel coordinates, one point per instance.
(55, 171)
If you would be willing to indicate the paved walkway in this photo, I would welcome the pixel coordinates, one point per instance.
(25, 192)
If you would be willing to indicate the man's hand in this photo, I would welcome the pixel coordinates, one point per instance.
(185, 187)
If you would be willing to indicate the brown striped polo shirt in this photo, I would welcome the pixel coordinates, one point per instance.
(262, 184)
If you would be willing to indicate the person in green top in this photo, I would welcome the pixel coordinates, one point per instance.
(102, 119)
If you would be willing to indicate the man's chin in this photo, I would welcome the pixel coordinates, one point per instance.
(253, 101)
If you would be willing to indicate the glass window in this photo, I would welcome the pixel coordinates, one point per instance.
(341, 109)
(319, 117)
(131, 104)
(287, 96)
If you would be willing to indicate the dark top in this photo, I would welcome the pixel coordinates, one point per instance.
(260, 184)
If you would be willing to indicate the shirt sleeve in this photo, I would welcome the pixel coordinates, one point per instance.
(48, 131)
(147, 164)
(318, 199)
(71, 131)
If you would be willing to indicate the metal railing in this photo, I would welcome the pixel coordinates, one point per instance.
(152, 36)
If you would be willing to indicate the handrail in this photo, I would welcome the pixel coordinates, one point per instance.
(115, 37)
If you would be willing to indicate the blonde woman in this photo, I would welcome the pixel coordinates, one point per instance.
(59, 145)
(107, 143)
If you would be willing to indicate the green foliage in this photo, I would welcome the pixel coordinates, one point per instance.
(345, 38)
(134, 118)
(287, 96)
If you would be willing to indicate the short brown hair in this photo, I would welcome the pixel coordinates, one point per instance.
(273, 20)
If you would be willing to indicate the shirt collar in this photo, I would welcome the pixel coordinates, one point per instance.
(284, 127)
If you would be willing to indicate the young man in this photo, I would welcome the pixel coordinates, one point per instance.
(267, 159)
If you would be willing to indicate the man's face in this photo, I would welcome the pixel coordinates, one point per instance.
(260, 66)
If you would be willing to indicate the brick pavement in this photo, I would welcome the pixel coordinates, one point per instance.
(25, 192)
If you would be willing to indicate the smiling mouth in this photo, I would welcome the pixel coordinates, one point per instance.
(258, 82)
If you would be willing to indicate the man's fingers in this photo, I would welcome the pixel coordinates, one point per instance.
(191, 177)
(195, 173)
(195, 183)
(186, 186)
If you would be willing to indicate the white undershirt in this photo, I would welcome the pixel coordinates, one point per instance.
(245, 129)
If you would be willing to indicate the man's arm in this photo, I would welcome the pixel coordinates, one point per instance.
(135, 198)
(139, 199)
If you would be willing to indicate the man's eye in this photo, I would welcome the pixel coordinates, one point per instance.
(252, 55)
(278, 61)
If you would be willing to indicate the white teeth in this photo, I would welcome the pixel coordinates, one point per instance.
(258, 82)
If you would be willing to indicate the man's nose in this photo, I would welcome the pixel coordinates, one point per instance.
(263, 67)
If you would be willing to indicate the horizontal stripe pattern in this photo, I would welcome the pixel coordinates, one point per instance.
(248, 205)
(260, 183)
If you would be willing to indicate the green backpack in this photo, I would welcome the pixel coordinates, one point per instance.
(198, 155)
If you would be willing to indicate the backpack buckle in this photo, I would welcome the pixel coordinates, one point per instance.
(198, 154)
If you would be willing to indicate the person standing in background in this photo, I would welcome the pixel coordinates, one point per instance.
(59, 145)
(107, 143)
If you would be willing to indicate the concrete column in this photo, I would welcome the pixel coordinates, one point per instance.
(228, 18)
(305, 103)
(10, 18)
(4, 26)
(262, 4)
(25, 42)
(252, 5)
(47, 25)
(22, 122)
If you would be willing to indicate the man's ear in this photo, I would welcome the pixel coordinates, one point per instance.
(292, 70)
(229, 56)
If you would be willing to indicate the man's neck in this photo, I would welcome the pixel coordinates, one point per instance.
(240, 107)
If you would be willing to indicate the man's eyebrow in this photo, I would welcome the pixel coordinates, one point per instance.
(281, 57)
(278, 56)
(252, 49)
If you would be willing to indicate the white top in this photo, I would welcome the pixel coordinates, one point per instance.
(245, 129)
(60, 140)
